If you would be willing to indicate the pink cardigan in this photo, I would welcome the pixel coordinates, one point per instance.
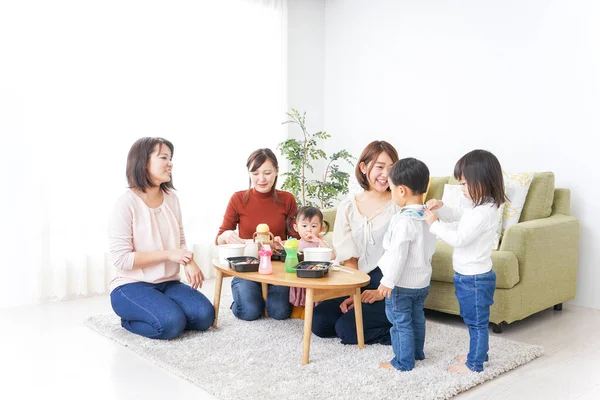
(136, 227)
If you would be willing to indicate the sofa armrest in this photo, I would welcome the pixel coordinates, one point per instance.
(548, 251)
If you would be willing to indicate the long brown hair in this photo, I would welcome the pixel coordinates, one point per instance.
(483, 173)
(255, 160)
(369, 155)
(137, 163)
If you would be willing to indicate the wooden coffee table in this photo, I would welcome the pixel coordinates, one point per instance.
(334, 284)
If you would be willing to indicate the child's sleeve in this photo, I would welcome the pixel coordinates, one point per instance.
(393, 261)
(449, 214)
(470, 227)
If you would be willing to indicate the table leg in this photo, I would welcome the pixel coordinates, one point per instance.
(360, 334)
(265, 292)
(308, 315)
(217, 302)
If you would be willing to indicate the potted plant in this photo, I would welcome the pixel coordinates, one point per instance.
(301, 154)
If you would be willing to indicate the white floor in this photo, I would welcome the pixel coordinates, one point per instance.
(46, 352)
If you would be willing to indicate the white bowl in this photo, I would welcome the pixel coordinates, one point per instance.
(251, 248)
(317, 254)
(230, 250)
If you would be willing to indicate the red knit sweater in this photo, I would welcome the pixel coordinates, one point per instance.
(260, 208)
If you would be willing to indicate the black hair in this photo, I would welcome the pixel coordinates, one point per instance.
(411, 173)
(483, 173)
(307, 213)
(139, 155)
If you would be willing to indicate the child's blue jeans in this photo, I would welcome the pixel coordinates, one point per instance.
(475, 294)
(404, 310)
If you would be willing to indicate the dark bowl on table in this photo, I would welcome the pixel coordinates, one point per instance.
(243, 263)
(312, 269)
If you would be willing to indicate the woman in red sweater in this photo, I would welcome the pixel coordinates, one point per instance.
(261, 203)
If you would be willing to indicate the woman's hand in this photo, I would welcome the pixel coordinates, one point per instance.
(347, 304)
(370, 296)
(230, 237)
(384, 291)
(351, 263)
(194, 275)
(277, 240)
(434, 204)
(180, 256)
(430, 217)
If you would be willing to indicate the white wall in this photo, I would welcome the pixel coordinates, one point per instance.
(306, 59)
(440, 78)
(81, 81)
(306, 66)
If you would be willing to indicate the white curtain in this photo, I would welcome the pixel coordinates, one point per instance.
(81, 81)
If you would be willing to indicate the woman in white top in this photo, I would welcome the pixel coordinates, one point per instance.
(360, 224)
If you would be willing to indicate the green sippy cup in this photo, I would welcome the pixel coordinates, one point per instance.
(291, 254)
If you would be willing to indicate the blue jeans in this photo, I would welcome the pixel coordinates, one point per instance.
(248, 303)
(330, 321)
(405, 310)
(161, 310)
(475, 294)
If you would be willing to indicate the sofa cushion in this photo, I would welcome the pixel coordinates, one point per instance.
(516, 187)
(504, 263)
(436, 187)
(539, 198)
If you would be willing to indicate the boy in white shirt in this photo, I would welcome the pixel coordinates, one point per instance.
(406, 264)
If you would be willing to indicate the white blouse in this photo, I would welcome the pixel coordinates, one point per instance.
(355, 235)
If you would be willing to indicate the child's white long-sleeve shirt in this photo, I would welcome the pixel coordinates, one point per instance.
(472, 239)
(409, 247)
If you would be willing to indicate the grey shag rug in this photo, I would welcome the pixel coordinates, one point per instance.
(262, 360)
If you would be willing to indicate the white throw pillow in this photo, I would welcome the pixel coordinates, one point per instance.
(516, 187)
(453, 197)
(498, 236)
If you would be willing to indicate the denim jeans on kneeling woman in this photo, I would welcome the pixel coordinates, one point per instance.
(248, 303)
(161, 310)
(475, 294)
(405, 310)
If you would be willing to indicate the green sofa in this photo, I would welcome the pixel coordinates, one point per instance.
(535, 265)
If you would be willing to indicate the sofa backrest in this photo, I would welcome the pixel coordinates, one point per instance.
(543, 199)
(538, 203)
(329, 217)
(540, 197)
(436, 187)
(562, 201)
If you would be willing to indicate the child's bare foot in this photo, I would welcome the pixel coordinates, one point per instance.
(461, 359)
(386, 365)
(459, 369)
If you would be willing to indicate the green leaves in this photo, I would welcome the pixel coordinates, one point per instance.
(301, 154)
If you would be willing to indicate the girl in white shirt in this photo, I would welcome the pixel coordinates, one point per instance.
(480, 175)
(360, 224)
